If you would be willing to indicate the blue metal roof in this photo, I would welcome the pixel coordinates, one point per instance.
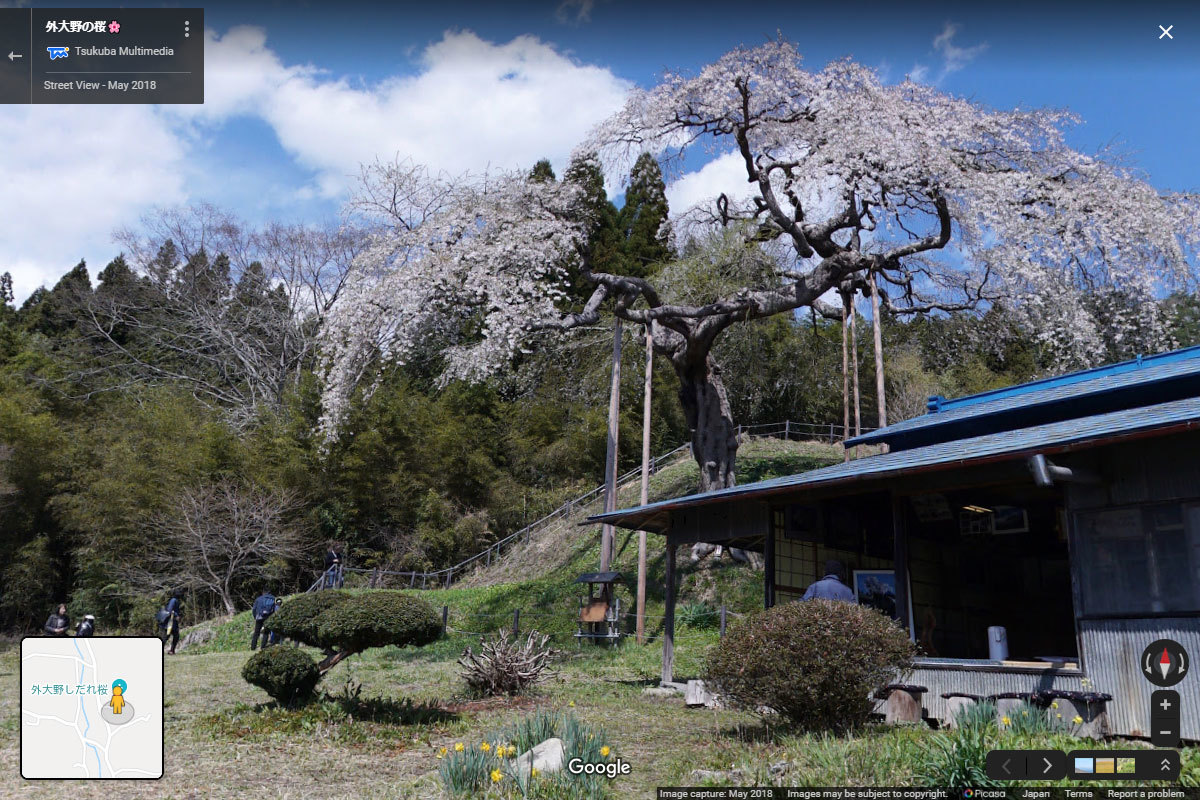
(1140, 381)
(962, 452)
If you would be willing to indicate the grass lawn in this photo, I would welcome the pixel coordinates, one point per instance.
(226, 740)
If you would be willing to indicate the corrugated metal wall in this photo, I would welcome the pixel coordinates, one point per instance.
(1111, 650)
(982, 680)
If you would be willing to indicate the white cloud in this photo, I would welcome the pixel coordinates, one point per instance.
(575, 12)
(473, 105)
(74, 173)
(953, 57)
(71, 175)
(725, 173)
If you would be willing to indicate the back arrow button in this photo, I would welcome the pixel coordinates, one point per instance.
(12, 55)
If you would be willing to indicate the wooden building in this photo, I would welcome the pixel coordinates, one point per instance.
(1065, 511)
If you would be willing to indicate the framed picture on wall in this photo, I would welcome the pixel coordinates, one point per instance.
(877, 588)
(1010, 519)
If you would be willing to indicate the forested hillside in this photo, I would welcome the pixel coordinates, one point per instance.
(175, 395)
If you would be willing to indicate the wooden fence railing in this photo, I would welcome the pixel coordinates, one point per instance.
(442, 578)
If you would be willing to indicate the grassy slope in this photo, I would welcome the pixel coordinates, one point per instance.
(547, 566)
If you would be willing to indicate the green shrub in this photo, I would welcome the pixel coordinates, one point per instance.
(1029, 720)
(976, 716)
(285, 673)
(699, 615)
(956, 759)
(377, 619)
(815, 663)
(297, 618)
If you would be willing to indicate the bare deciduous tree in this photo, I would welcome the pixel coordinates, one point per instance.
(218, 537)
(230, 313)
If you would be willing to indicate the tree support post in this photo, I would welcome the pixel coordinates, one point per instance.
(610, 463)
(641, 567)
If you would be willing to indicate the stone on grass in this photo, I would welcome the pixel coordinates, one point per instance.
(545, 758)
(695, 696)
(658, 691)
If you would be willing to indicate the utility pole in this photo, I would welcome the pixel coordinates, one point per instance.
(641, 576)
(610, 464)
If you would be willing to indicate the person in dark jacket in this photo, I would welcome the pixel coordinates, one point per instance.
(333, 568)
(272, 636)
(174, 618)
(86, 626)
(58, 622)
(262, 610)
(831, 586)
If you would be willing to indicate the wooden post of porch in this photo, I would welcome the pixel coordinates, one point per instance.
(769, 562)
(900, 538)
(668, 656)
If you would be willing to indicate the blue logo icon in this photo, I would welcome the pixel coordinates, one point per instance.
(58, 52)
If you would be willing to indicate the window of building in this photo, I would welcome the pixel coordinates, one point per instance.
(1140, 560)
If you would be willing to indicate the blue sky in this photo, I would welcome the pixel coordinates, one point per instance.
(300, 94)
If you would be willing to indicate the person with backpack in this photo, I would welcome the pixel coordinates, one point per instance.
(263, 608)
(169, 619)
(86, 626)
(272, 636)
(58, 622)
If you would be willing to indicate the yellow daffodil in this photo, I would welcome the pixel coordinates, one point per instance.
(1005, 721)
(533, 772)
(1078, 720)
(459, 747)
(1054, 704)
(485, 747)
(571, 704)
(604, 751)
(497, 775)
(441, 752)
(1058, 715)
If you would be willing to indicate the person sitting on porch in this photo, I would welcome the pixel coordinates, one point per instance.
(830, 587)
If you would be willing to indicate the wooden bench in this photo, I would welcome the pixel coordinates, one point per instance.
(1090, 707)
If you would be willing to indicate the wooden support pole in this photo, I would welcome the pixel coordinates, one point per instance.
(854, 363)
(769, 567)
(845, 372)
(610, 463)
(722, 620)
(877, 324)
(516, 621)
(445, 618)
(641, 567)
(668, 655)
(900, 534)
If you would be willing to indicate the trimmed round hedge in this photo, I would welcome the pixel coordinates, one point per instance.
(377, 619)
(297, 618)
(285, 673)
(815, 662)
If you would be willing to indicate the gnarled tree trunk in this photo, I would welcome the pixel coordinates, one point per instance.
(706, 407)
